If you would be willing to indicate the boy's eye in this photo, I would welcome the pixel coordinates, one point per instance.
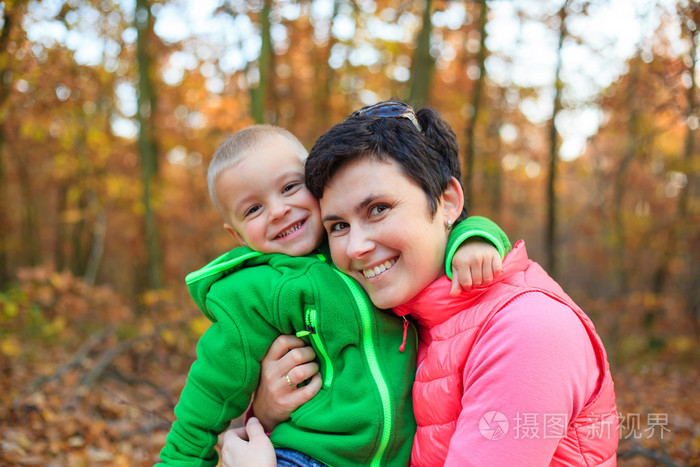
(290, 187)
(251, 210)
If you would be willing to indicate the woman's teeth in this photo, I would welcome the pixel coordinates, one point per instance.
(291, 230)
(375, 271)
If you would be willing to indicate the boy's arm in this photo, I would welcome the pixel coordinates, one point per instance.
(475, 249)
(220, 383)
(217, 390)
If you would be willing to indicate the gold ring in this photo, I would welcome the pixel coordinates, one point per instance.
(289, 381)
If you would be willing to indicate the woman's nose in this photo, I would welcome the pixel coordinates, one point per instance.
(359, 244)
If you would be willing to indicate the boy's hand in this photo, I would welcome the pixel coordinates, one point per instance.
(476, 262)
(287, 363)
(248, 446)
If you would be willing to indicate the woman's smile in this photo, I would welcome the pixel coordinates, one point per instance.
(376, 271)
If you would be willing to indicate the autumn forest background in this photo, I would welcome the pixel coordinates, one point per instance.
(578, 126)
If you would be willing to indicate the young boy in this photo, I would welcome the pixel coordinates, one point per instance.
(280, 282)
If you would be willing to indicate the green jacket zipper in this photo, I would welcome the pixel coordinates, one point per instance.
(374, 367)
(311, 326)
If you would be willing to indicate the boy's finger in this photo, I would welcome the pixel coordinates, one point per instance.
(487, 272)
(497, 265)
(466, 281)
(476, 275)
(456, 288)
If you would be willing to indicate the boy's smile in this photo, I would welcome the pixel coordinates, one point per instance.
(267, 204)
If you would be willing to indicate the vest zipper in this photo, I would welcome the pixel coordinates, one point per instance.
(373, 362)
(311, 327)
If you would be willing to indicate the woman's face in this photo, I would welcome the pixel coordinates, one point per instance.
(380, 230)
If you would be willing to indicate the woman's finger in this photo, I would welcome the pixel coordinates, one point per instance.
(282, 345)
(254, 429)
(304, 394)
(236, 434)
(247, 447)
(280, 361)
(301, 373)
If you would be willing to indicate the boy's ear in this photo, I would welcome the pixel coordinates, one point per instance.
(453, 200)
(234, 233)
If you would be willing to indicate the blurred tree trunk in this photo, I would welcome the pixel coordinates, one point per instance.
(679, 233)
(12, 15)
(551, 223)
(633, 143)
(492, 166)
(422, 66)
(99, 229)
(146, 140)
(327, 76)
(468, 177)
(685, 213)
(99, 234)
(59, 246)
(30, 238)
(259, 94)
(82, 183)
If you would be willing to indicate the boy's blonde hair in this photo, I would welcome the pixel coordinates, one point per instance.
(241, 143)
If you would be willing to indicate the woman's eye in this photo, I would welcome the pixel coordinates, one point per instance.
(337, 227)
(378, 209)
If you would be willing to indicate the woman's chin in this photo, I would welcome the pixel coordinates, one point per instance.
(385, 300)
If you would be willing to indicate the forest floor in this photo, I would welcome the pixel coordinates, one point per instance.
(87, 379)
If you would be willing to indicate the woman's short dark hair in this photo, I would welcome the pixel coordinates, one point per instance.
(429, 157)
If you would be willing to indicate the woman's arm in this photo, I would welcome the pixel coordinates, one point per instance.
(535, 366)
(275, 399)
(248, 446)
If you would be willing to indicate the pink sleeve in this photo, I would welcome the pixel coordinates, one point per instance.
(532, 370)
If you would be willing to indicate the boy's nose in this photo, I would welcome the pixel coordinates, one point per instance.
(279, 210)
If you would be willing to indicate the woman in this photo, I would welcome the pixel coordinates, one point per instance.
(510, 374)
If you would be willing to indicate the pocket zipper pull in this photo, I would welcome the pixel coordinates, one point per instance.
(405, 330)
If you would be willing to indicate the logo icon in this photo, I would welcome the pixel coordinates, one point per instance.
(493, 425)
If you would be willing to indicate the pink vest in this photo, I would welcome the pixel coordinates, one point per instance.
(448, 333)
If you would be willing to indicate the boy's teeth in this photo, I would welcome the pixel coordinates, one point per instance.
(375, 271)
(293, 228)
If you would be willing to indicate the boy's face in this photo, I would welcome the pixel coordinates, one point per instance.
(267, 203)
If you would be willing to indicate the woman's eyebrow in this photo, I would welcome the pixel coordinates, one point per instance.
(365, 202)
(360, 206)
(332, 217)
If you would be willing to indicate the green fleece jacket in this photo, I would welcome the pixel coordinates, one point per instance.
(363, 414)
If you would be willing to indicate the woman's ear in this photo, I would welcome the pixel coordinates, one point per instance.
(234, 233)
(453, 200)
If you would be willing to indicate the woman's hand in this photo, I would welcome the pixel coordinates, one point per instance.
(476, 262)
(248, 446)
(287, 363)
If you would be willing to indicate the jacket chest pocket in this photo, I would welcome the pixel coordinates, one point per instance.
(311, 323)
